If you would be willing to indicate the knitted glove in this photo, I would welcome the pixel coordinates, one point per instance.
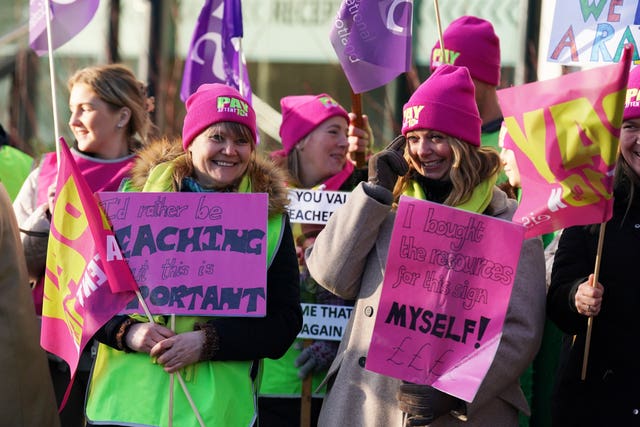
(317, 357)
(423, 404)
(386, 165)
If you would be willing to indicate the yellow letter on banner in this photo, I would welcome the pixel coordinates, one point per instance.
(69, 216)
(65, 262)
(579, 114)
(67, 265)
(577, 192)
(533, 142)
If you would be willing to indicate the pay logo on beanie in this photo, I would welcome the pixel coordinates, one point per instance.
(470, 42)
(411, 116)
(214, 103)
(445, 102)
(632, 101)
(233, 105)
(301, 114)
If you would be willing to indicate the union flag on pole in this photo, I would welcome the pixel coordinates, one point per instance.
(565, 133)
(372, 39)
(87, 279)
(215, 54)
(67, 19)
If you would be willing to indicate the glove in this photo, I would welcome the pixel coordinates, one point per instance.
(386, 165)
(317, 357)
(423, 404)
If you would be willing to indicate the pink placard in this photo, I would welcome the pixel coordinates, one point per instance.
(445, 294)
(194, 253)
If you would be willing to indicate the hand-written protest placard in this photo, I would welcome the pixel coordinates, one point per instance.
(314, 206)
(590, 32)
(324, 321)
(445, 294)
(194, 253)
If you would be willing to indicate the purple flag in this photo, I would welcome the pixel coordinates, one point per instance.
(214, 54)
(68, 18)
(372, 39)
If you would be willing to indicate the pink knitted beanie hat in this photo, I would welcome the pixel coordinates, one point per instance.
(470, 42)
(445, 102)
(214, 103)
(301, 114)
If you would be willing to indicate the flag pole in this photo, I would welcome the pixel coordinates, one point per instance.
(596, 273)
(241, 87)
(439, 26)
(172, 325)
(626, 58)
(56, 127)
(305, 402)
(356, 108)
(180, 380)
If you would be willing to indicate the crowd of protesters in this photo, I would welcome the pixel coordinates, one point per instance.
(250, 371)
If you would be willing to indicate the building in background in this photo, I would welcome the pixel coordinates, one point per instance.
(286, 44)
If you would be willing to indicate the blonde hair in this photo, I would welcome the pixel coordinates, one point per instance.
(116, 85)
(186, 167)
(470, 166)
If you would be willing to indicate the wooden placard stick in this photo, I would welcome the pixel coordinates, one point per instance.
(356, 108)
(596, 273)
(305, 398)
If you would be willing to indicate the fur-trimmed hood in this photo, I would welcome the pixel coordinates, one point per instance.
(265, 176)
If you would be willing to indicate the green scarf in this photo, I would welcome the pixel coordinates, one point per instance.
(478, 202)
(161, 179)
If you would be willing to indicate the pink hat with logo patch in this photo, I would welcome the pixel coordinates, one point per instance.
(470, 42)
(214, 103)
(445, 102)
(632, 101)
(301, 114)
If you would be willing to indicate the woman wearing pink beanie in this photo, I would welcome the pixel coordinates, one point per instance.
(608, 394)
(437, 158)
(220, 357)
(317, 139)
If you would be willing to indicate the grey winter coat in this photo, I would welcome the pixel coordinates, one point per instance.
(349, 257)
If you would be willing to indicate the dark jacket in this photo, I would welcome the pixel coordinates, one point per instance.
(610, 394)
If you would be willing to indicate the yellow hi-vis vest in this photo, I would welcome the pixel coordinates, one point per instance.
(14, 169)
(130, 389)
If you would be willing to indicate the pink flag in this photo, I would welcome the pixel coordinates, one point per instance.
(564, 133)
(68, 18)
(87, 279)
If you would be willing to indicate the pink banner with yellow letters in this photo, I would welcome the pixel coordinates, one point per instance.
(87, 280)
(564, 133)
(445, 294)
